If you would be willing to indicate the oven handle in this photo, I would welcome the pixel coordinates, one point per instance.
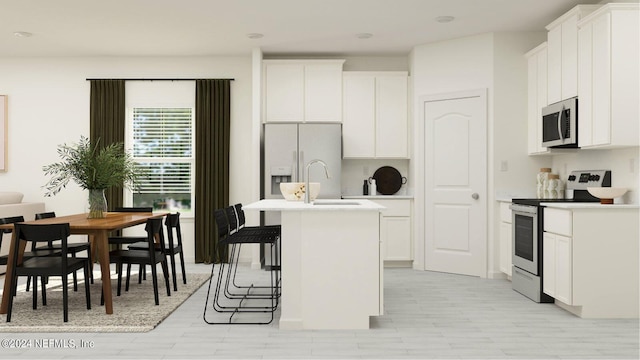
(528, 209)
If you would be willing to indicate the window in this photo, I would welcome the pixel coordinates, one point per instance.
(162, 144)
(160, 135)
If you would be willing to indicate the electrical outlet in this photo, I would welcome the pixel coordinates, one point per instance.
(504, 165)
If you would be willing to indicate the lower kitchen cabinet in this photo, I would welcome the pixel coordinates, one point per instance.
(396, 229)
(557, 267)
(506, 238)
(591, 258)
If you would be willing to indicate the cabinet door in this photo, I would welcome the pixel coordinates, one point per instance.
(585, 103)
(563, 269)
(391, 117)
(601, 129)
(569, 60)
(532, 104)
(554, 78)
(358, 123)
(396, 233)
(323, 92)
(284, 92)
(506, 248)
(549, 264)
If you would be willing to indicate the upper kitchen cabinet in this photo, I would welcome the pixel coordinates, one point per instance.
(537, 97)
(302, 90)
(608, 93)
(562, 44)
(375, 115)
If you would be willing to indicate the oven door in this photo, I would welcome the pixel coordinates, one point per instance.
(525, 237)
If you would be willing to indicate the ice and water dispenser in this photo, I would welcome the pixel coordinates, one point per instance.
(279, 174)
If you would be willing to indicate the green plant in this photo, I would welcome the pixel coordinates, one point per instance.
(91, 168)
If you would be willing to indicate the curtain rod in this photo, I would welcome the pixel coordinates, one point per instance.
(161, 79)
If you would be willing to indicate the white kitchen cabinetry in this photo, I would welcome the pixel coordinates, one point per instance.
(395, 229)
(506, 238)
(557, 267)
(302, 90)
(537, 97)
(375, 115)
(608, 93)
(590, 259)
(562, 42)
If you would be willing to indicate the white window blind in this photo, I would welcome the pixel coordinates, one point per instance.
(163, 148)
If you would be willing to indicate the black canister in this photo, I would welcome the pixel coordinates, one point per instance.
(365, 187)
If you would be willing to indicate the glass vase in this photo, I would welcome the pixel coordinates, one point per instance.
(97, 204)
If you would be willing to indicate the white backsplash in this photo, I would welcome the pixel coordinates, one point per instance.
(623, 164)
(354, 172)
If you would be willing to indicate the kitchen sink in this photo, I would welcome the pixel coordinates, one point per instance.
(336, 203)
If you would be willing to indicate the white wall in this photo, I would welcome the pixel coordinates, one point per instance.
(492, 61)
(49, 105)
(623, 164)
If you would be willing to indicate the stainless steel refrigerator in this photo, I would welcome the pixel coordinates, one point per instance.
(288, 148)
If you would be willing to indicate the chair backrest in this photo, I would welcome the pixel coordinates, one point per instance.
(240, 215)
(154, 229)
(172, 222)
(9, 220)
(45, 215)
(134, 209)
(221, 222)
(43, 233)
(233, 219)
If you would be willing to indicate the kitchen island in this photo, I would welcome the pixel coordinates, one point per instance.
(332, 274)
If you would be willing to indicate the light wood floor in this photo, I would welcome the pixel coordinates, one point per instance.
(428, 316)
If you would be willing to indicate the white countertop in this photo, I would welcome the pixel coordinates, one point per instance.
(589, 205)
(329, 205)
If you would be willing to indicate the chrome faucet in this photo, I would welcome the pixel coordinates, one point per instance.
(307, 189)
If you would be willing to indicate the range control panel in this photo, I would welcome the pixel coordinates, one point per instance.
(581, 179)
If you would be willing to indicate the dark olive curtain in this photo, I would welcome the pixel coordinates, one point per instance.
(213, 119)
(107, 121)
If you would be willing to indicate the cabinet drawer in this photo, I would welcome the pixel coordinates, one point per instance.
(505, 212)
(395, 207)
(558, 221)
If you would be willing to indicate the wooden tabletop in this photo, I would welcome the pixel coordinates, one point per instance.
(80, 222)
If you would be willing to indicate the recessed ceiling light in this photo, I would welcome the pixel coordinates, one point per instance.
(444, 19)
(364, 36)
(255, 36)
(22, 34)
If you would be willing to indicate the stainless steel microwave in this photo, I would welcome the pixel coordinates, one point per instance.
(560, 124)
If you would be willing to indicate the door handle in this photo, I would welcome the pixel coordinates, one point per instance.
(475, 196)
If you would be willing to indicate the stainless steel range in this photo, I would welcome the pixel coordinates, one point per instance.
(528, 226)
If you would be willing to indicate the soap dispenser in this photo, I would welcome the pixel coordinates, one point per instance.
(372, 189)
(365, 187)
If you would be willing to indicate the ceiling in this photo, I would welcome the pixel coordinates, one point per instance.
(220, 27)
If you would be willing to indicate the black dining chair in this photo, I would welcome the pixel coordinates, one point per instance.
(151, 256)
(27, 254)
(53, 265)
(173, 248)
(72, 248)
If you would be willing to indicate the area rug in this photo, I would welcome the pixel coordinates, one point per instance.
(133, 311)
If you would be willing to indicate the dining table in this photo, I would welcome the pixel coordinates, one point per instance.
(98, 231)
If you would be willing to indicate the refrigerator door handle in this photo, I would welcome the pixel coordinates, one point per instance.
(294, 166)
(301, 167)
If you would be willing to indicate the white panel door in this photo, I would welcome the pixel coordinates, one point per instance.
(455, 183)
